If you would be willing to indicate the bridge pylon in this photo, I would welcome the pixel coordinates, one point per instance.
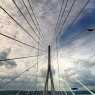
(49, 74)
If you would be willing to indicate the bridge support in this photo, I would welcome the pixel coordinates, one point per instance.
(49, 74)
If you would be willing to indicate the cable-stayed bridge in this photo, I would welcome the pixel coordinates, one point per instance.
(29, 45)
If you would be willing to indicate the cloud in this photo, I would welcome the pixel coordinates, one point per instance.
(47, 13)
(9, 63)
(21, 84)
(43, 72)
(77, 60)
(79, 53)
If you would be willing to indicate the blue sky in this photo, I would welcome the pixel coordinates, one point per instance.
(86, 20)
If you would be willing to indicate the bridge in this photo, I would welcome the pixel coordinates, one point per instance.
(30, 56)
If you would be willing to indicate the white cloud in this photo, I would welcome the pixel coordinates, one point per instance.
(47, 12)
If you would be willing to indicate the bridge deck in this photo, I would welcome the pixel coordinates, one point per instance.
(41, 93)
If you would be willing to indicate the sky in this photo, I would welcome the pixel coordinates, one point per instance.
(76, 45)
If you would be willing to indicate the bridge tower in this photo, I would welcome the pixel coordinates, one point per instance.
(49, 74)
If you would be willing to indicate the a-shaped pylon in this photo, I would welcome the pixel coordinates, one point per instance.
(49, 74)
